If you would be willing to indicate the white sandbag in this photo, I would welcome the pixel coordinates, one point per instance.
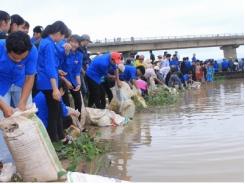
(105, 117)
(139, 98)
(30, 146)
(127, 108)
(196, 85)
(76, 177)
(152, 85)
(7, 172)
(122, 102)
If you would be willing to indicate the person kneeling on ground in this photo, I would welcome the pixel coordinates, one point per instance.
(130, 73)
(66, 112)
(141, 84)
(174, 80)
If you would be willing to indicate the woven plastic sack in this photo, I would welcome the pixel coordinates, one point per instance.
(30, 146)
(122, 102)
(105, 117)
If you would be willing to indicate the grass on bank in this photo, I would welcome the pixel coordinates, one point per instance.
(159, 97)
(84, 148)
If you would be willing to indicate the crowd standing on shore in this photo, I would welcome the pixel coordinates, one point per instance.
(55, 63)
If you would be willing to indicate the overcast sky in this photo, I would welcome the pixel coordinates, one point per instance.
(138, 18)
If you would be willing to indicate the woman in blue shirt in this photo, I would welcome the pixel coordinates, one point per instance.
(47, 76)
(71, 68)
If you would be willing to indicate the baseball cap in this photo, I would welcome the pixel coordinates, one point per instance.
(116, 57)
(75, 37)
(86, 37)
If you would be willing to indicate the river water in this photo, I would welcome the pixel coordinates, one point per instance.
(198, 139)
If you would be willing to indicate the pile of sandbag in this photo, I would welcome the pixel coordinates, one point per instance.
(104, 117)
(30, 146)
(121, 102)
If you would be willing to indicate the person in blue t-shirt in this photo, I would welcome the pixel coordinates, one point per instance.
(97, 70)
(130, 73)
(4, 24)
(47, 75)
(194, 59)
(18, 58)
(37, 35)
(42, 113)
(225, 65)
(174, 62)
(72, 67)
(216, 67)
(17, 23)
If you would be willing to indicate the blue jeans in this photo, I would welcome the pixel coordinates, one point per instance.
(12, 97)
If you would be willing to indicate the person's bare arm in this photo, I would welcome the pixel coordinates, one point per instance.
(6, 109)
(159, 81)
(56, 93)
(78, 79)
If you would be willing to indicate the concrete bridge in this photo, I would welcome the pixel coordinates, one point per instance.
(227, 42)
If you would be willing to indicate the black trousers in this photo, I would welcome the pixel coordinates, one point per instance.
(34, 88)
(76, 97)
(107, 85)
(55, 124)
(67, 121)
(96, 94)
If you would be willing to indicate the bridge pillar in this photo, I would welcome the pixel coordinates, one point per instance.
(229, 51)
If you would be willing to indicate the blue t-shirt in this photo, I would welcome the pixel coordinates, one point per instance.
(15, 73)
(99, 68)
(73, 65)
(186, 77)
(129, 73)
(194, 59)
(216, 67)
(42, 107)
(47, 64)
(225, 64)
(60, 51)
(174, 63)
(188, 64)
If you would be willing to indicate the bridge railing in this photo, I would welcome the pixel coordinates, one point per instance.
(142, 39)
